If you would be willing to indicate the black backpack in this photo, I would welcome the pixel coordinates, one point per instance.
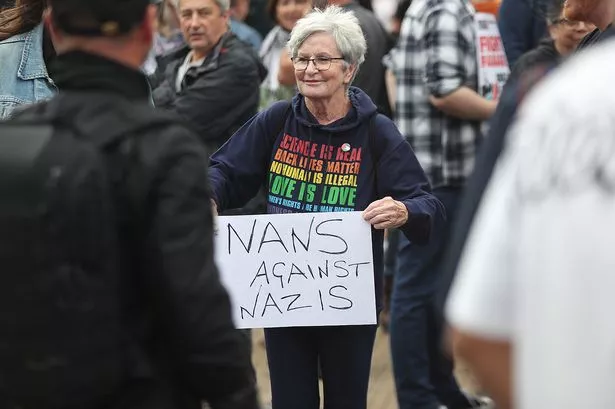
(64, 341)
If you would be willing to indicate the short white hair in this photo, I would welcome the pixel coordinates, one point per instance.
(342, 25)
(224, 5)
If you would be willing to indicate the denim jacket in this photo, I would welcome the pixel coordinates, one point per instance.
(23, 74)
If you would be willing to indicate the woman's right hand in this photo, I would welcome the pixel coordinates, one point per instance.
(386, 213)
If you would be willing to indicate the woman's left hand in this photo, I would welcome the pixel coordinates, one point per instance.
(386, 213)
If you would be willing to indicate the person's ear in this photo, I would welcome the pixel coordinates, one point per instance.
(349, 73)
(553, 30)
(226, 14)
(54, 33)
(149, 25)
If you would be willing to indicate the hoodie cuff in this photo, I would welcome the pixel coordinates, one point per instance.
(418, 227)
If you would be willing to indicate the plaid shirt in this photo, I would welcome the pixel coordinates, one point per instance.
(435, 55)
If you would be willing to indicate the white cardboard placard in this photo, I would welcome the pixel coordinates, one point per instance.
(304, 269)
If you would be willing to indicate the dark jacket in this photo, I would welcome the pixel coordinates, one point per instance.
(219, 96)
(521, 27)
(596, 37)
(348, 180)
(544, 55)
(370, 77)
(179, 313)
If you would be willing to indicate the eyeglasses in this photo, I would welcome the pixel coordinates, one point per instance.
(320, 63)
(566, 22)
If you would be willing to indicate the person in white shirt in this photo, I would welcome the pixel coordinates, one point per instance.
(532, 304)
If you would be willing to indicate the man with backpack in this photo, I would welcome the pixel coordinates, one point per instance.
(109, 296)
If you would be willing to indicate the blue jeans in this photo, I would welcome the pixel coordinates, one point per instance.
(345, 355)
(423, 374)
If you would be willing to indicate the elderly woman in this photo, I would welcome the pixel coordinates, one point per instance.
(339, 123)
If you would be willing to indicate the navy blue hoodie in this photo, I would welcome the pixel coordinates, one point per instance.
(309, 167)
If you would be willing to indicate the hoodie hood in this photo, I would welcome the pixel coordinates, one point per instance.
(361, 112)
